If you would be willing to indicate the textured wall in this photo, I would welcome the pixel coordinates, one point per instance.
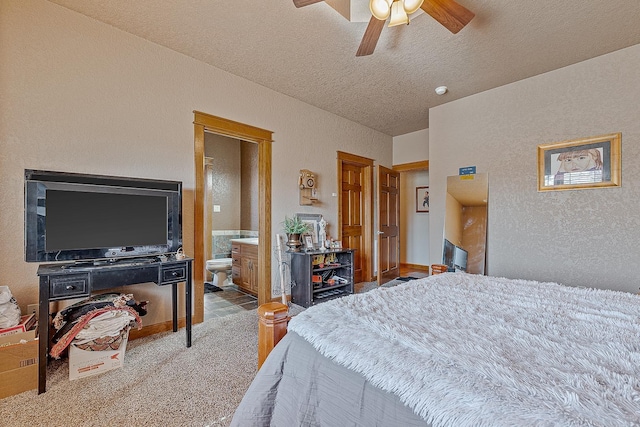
(578, 237)
(224, 153)
(249, 218)
(411, 147)
(474, 237)
(452, 223)
(414, 226)
(82, 96)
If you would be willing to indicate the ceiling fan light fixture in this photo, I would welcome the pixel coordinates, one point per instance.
(398, 14)
(380, 8)
(412, 6)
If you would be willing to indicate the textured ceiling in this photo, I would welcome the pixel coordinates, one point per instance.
(309, 53)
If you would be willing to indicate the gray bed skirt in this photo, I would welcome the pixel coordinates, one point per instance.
(297, 386)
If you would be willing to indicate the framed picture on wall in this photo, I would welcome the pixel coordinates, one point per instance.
(422, 199)
(580, 163)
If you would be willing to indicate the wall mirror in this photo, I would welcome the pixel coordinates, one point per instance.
(465, 224)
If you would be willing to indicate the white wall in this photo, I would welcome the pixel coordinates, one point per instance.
(578, 237)
(411, 147)
(414, 226)
(82, 96)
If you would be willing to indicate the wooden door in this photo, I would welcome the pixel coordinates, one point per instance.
(388, 224)
(355, 212)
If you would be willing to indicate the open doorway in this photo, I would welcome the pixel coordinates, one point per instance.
(207, 123)
(231, 225)
(414, 210)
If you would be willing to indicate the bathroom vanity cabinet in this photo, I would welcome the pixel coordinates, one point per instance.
(244, 267)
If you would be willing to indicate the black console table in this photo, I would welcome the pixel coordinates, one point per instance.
(67, 281)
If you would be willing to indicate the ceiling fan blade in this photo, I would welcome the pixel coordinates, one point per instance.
(301, 3)
(452, 15)
(371, 36)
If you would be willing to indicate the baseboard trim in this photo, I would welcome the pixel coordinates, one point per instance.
(417, 267)
(279, 298)
(156, 329)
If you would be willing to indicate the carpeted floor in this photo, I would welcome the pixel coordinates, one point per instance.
(162, 383)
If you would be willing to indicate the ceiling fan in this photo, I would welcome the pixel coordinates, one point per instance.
(449, 13)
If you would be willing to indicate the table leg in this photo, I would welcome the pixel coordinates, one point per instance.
(187, 296)
(174, 305)
(43, 333)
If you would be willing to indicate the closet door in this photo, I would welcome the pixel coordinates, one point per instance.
(389, 224)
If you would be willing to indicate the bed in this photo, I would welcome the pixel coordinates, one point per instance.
(455, 349)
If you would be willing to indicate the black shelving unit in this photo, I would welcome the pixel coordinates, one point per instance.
(333, 280)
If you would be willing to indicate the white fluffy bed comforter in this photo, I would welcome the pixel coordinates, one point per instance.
(467, 350)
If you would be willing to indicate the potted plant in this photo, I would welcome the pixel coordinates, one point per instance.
(293, 228)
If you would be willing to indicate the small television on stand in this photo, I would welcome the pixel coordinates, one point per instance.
(460, 259)
(454, 257)
(448, 254)
(91, 218)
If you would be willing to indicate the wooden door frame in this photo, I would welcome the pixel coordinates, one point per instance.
(367, 203)
(413, 166)
(205, 122)
(422, 165)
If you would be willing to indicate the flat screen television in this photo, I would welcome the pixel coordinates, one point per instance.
(454, 257)
(447, 254)
(82, 217)
(460, 259)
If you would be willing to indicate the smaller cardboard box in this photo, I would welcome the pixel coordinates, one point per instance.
(84, 363)
(27, 322)
(18, 363)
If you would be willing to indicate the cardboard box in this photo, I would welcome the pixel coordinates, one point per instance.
(19, 337)
(27, 322)
(83, 363)
(18, 364)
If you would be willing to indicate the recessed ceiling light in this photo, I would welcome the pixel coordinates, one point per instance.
(441, 90)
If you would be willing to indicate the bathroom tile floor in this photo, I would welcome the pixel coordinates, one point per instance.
(228, 301)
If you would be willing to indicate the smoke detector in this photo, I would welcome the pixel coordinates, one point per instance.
(441, 90)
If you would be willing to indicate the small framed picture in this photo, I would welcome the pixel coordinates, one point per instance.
(422, 199)
(580, 163)
(308, 241)
(336, 244)
(313, 221)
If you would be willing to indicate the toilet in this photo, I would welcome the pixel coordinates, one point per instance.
(219, 269)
